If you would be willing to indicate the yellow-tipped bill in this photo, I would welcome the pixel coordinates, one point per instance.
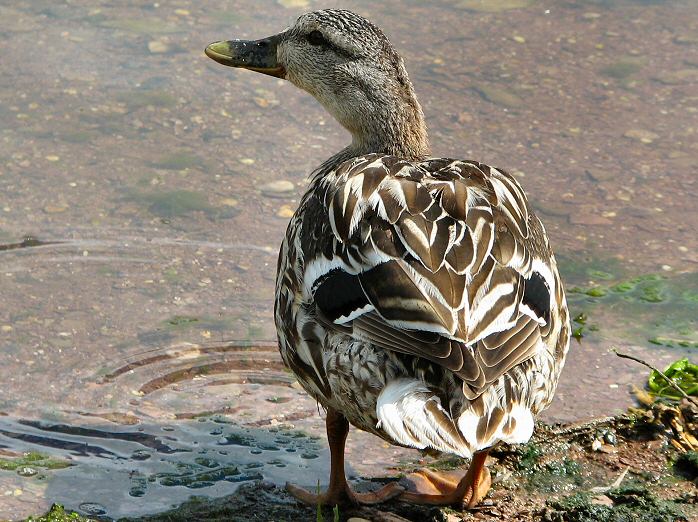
(257, 55)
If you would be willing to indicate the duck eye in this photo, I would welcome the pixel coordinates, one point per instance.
(316, 38)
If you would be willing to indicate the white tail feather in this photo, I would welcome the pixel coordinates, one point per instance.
(412, 415)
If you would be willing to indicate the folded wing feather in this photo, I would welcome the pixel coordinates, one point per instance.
(445, 273)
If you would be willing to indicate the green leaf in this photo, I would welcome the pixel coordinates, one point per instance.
(682, 372)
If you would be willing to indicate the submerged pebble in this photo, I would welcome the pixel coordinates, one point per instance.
(55, 209)
(158, 47)
(498, 95)
(641, 135)
(285, 212)
(26, 471)
(278, 188)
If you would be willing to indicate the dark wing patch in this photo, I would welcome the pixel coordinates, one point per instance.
(398, 298)
(338, 294)
(537, 296)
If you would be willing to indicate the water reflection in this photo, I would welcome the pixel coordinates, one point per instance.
(145, 192)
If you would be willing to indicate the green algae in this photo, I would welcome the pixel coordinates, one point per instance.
(596, 291)
(530, 456)
(138, 99)
(171, 275)
(672, 342)
(448, 463)
(184, 322)
(579, 326)
(600, 274)
(78, 136)
(58, 514)
(544, 469)
(178, 161)
(33, 460)
(554, 476)
(622, 69)
(630, 503)
(657, 309)
(175, 203)
(686, 465)
(181, 320)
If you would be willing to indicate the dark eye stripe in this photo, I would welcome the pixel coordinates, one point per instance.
(316, 38)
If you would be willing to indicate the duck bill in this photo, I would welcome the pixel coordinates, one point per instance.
(255, 55)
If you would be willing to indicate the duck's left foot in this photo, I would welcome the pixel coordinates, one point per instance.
(446, 491)
(339, 493)
(345, 496)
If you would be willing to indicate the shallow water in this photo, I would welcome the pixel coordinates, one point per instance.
(142, 201)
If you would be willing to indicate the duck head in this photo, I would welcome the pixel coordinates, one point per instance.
(351, 68)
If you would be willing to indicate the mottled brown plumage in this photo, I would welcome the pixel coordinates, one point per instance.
(417, 298)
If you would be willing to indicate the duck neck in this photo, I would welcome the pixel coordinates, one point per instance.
(391, 125)
(399, 130)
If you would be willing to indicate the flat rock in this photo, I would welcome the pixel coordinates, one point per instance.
(158, 47)
(498, 95)
(642, 135)
(600, 174)
(285, 212)
(278, 188)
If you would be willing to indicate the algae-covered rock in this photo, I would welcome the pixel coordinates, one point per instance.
(33, 460)
(623, 68)
(178, 161)
(176, 203)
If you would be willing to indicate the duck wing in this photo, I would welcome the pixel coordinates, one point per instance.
(441, 259)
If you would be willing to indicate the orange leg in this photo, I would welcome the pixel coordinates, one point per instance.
(467, 493)
(339, 492)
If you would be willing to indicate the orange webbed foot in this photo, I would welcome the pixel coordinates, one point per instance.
(345, 496)
(442, 489)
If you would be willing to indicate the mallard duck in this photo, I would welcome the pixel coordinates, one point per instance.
(417, 298)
